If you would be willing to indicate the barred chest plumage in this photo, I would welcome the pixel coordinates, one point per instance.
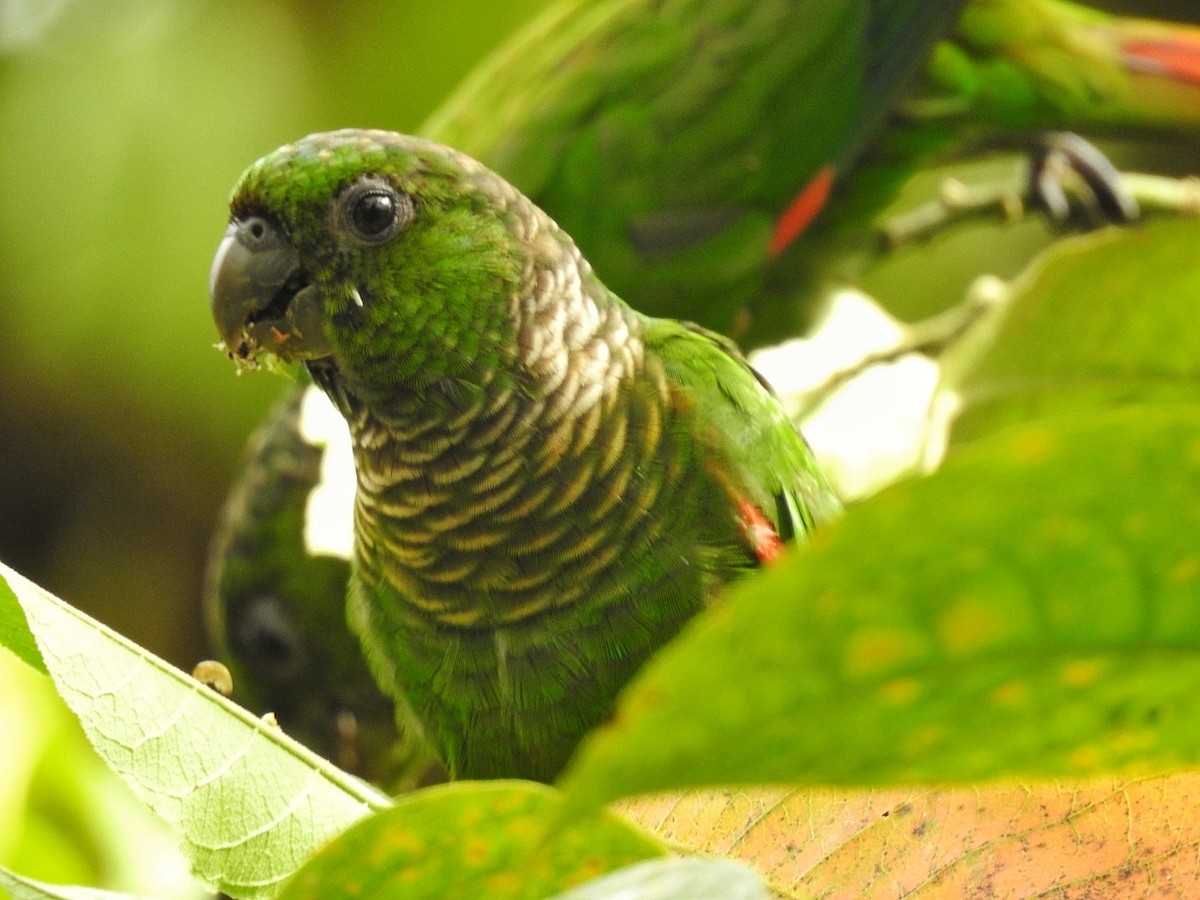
(487, 501)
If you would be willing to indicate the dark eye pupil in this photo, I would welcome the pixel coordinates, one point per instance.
(374, 213)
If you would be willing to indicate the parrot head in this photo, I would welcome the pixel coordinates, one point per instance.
(392, 258)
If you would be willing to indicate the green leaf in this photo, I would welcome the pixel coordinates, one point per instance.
(21, 888)
(1106, 317)
(1031, 610)
(249, 803)
(14, 630)
(51, 786)
(674, 879)
(471, 839)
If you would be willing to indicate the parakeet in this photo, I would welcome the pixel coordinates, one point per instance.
(686, 144)
(1055, 64)
(549, 483)
(711, 156)
(602, 120)
(691, 149)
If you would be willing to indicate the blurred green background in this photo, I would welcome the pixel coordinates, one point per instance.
(125, 124)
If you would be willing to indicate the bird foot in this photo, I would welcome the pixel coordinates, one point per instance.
(1067, 179)
(1076, 185)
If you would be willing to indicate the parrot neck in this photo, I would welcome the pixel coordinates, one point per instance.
(558, 342)
(459, 476)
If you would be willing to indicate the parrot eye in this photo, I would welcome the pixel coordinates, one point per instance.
(374, 212)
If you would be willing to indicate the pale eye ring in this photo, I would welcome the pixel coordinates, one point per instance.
(374, 212)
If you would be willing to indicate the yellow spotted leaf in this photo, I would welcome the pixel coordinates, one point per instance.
(471, 839)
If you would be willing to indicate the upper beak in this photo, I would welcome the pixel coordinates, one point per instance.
(261, 298)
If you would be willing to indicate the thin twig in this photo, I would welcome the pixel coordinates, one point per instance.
(1008, 200)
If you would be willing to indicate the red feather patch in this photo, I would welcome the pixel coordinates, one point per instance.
(1178, 57)
(764, 539)
(802, 210)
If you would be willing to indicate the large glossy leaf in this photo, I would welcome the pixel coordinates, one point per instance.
(249, 804)
(64, 816)
(1030, 610)
(15, 633)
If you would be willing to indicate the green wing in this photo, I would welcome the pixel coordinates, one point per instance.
(670, 139)
(766, 460)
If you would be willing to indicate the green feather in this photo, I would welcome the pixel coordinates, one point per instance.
(620, 120)
(549, 483)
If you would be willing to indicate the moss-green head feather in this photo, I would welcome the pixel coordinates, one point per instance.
(396, 258)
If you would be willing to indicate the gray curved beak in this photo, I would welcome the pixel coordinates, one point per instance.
(261, 300)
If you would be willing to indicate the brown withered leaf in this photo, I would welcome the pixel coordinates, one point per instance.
(1104, 838)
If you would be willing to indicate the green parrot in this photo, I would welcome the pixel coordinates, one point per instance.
(271, 591)
(1054, 64)
(676, 143)
(686, 144)
(549, 482)
(710, 157)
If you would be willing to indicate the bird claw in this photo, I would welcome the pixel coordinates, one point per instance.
(1076, 184)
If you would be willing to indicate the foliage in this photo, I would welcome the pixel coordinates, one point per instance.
(1026, 612)
(1023, 618)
